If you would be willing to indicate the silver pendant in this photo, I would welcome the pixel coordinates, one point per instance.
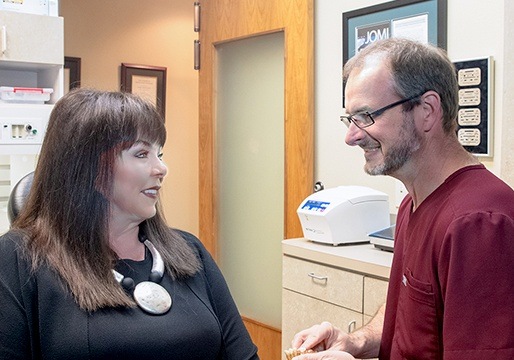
(152, 298)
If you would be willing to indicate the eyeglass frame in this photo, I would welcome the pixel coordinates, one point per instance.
(349, 119)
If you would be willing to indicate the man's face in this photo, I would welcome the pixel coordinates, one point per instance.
(389, 143)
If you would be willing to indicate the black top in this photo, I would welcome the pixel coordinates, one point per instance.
(40, 320)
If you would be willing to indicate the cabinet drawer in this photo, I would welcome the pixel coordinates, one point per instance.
(300, 312)
(32, 38)
(375, 292)
(323, 282)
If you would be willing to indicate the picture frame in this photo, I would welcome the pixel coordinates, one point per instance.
(146, 81)
(423, 20)
(72, 69)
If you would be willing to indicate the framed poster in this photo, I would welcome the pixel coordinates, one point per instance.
(421, 20)
(146, 81)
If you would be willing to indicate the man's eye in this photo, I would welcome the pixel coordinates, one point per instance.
(142, 155)
(359, 117)
(160, 156)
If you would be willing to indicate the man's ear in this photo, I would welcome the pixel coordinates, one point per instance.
(431, 109)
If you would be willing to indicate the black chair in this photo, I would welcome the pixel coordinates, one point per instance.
(18, 196)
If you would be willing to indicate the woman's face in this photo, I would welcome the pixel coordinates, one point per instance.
(138, 173)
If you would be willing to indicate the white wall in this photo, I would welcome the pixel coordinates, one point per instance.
(507, 160)
(475, 29)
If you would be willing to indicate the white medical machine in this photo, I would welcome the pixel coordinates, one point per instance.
(22, 129)
(31, 82)
(344, 214)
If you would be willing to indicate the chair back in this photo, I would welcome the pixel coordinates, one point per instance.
(18, 196)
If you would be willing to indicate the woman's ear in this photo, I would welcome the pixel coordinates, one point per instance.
(431, 109)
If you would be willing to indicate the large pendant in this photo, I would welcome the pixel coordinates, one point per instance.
(152, 298)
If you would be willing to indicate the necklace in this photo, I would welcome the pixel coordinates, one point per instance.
(149, 295)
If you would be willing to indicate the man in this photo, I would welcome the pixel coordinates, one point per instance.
(451, 289)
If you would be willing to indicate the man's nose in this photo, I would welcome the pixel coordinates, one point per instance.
(354, 135)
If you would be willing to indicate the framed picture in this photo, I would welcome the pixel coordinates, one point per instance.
(422, 20)
(71, 73)
(149, 82)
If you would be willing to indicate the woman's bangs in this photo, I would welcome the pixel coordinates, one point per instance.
(152, 131)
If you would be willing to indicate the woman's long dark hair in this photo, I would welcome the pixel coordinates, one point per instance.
(65, 221)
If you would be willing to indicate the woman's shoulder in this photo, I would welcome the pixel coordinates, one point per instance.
(10, 242)
(191, 239)
(12, 252)
(186, 235)
(196, 244)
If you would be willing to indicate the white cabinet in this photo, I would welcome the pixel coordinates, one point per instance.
(32, 51)
(32, 38)
(375, 291)
(323, 282)
(344, 285)
(31, 55)
(312, 293)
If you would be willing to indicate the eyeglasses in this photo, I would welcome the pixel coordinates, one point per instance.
(365, 118)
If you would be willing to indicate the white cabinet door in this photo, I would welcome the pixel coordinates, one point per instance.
(300, 312)
(375, 293)
(29, 38)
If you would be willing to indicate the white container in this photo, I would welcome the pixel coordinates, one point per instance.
(344, 214)
(25, 94)
(38, 7)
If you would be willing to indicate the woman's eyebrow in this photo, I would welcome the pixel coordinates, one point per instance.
(142, 142)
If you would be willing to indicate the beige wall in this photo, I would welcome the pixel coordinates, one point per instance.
(106, 33)
(159, 33)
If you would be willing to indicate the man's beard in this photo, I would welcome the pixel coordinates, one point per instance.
(408, 142)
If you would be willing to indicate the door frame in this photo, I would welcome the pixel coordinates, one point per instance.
(229, 20)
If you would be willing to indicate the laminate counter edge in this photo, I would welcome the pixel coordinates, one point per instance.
(362, 258)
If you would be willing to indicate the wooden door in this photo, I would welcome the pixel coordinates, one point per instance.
(228, 20)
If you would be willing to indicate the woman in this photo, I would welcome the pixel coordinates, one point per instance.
(90, 270)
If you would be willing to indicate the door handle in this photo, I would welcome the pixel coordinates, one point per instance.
(352, 325)
(4, 39)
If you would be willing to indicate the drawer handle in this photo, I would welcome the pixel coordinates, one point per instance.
(4, 39)
(318, 277)
(351, 326)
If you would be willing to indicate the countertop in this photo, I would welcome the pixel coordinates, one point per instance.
(364, 258)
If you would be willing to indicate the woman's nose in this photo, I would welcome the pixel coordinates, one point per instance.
(160, 168)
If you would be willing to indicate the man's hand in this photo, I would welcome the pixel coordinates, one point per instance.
(363, 343)
(326, 355)
(320, 337)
